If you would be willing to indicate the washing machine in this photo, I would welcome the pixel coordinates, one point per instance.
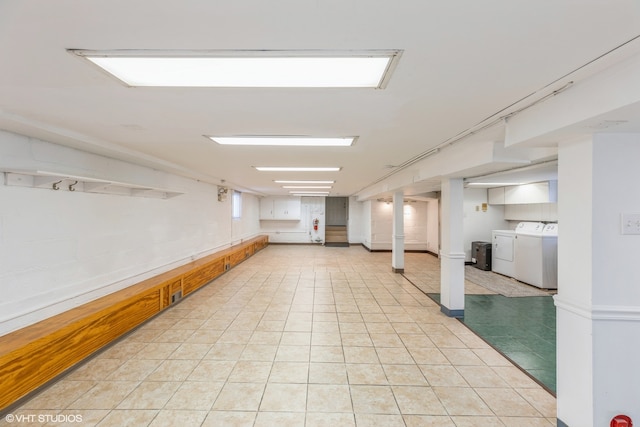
(536, 254)
(503, 252)
(550, 256)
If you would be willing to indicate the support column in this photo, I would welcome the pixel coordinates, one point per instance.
(452, 248)
(397, 246)
(598, 300)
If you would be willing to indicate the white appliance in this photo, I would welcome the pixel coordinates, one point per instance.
(550, 256)
(503, 252)
(536, 248)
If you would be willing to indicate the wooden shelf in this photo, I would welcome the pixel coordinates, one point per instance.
(66, 182)
(34, 355)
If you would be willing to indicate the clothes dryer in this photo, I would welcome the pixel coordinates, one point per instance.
(503, 252)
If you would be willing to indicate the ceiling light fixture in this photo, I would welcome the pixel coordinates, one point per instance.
(280, 181)
(315, 193)
(302, 141)
(298, 187)
(296, 169)
(494, 184)
(302, 69)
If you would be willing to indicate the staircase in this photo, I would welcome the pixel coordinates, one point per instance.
(336, 235)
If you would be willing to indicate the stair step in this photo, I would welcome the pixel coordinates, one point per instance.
(336, 235)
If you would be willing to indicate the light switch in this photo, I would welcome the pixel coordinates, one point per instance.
(631, 223)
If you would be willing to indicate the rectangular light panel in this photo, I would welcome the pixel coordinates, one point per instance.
(302, 187)
(296, 169)
(493, 184)
(309, 193)
(301, 69)
(282, 181)
(302, 141)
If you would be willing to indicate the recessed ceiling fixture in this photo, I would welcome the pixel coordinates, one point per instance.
(313, 193)
(303, 69)
(296, 169)
(281, 181)
(304, 141)
(494, 184)
(299, 187)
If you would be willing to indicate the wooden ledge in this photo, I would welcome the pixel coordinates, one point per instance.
(35, 354)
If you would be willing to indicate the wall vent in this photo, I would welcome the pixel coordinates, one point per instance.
(177, 296)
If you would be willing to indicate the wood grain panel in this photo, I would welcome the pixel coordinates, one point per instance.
(42, 360)
(202, 275)
(165, 296)
(32, 356)
(176, 286)
(237, 257)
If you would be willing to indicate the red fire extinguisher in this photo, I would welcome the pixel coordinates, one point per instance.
(315, 224)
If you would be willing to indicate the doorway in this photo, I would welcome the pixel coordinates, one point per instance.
(337, 217)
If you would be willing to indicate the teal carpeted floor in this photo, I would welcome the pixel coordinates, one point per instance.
(523, 329)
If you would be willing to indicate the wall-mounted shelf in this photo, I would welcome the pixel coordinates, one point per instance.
(65, 182)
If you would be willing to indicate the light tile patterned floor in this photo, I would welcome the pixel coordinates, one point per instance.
(301, 336)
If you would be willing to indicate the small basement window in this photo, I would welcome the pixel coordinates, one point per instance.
(236, 205)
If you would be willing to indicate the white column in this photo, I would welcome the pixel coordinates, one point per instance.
(397, 246)
(598, 300)
(452, 248)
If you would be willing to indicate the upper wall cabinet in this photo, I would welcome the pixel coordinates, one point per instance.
(280, 208)
(539, 192)
(495, 196)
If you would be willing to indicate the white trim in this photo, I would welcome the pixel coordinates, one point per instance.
(572, 308)
(600, 312)
(453, 255)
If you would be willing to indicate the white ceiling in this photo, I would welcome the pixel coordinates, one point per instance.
(463, 61)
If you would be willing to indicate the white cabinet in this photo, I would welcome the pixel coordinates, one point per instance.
(539, 192)
(495, 196)
(280, 208)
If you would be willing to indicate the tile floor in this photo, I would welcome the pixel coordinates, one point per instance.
(301, 336)
(523, 329)
(529, 340)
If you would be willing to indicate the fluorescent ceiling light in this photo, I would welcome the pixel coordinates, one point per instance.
(322, 69)
(493, 184)
(296, 169)
(308, 192)
(280, 181)
(298, 187)
(304, 141)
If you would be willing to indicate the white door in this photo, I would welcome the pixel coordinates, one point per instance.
(337, 210)
(503, 247)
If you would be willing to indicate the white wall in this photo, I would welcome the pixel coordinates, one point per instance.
(433, 226)
(59, 249)
(477, 223)
(615, 290)
(248, 225)
(294, 231)
(356, 221)
(598, 301)
(381, 225)
(415, 226)
(366, 223)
